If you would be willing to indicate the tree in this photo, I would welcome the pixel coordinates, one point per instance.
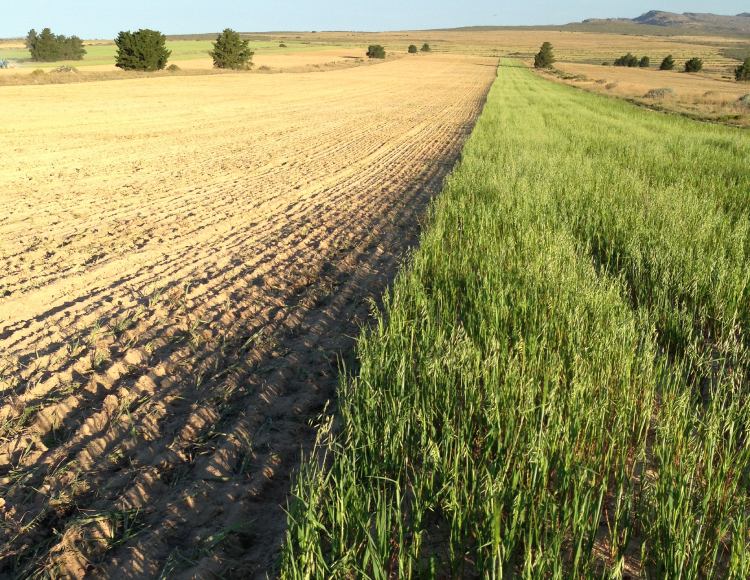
(425, 48)
(48, 47)
(694, 65)
(412, 49)
(31, 39)
(645, 62)
(375, 51)
(230, 51)
(142, 50)
(667, 63)
(742, 72)
(628, 60)
(545, 58)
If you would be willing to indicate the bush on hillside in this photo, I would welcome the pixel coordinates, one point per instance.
(742, 72)
(667, 63)
(629, 60)
(173, 68)
(144, 50)
(545, 58)
(48, 47)
(230, 51)
(375, 51)
(282, 45)
(645, 62)
(425, 48)
(412, 49)
(694, 65)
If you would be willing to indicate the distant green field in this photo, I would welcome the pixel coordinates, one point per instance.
(102, 54)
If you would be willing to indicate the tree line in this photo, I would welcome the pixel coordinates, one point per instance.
(545, 58)
(146, 50)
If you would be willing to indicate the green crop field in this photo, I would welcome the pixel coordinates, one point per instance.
(104, 54)
(558, 384)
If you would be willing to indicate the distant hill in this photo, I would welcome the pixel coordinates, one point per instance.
(686, 23)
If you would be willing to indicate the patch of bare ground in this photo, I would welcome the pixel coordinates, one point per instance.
(186, 261)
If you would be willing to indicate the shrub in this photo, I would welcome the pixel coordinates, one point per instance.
(282, 45)
(645, 62)
(173, 68)
(425, 48)
(48, 47)
(230, 51)
(629, 60)
(142, 50)
(742, 72)
(667, 63)
(545, 58)
(694, 65)
(38, 72)
(658, 93)
(65, 69)
(610, 86)
(375, 51)
(412, 49)
(605, 64)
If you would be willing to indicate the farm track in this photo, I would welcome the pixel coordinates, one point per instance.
(185, 260)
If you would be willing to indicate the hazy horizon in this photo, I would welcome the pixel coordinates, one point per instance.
(102, 19)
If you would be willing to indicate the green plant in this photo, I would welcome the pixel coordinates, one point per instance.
(645, 62)
(375, 51)
(173, 68)
(629, 60)
(143, 50)
(667, 63)
(742, 72)
(412, 49)
(694, 65)
(426, 48)
(545, 58)
(48, 47)
(230, 51)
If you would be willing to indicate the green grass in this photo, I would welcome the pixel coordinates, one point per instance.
(182, 50)
(558, 384)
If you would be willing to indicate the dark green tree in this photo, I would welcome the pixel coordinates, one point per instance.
(425, 48)
(645, 62)
(142, 50)
(667, 63)
(48, 47)
(31, 39)
(545, 58)
(694, 65)
(742, 72)
(628, 60)
(230, 51)
(412, 49)
(375, 51)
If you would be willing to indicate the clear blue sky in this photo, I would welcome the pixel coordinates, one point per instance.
(104, 18)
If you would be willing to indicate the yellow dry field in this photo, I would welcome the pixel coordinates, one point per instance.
(701, 95)
(581, 47)
(184, 261)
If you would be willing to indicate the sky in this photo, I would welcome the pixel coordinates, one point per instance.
(104, 18)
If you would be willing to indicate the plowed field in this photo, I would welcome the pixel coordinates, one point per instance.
(184, 262)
